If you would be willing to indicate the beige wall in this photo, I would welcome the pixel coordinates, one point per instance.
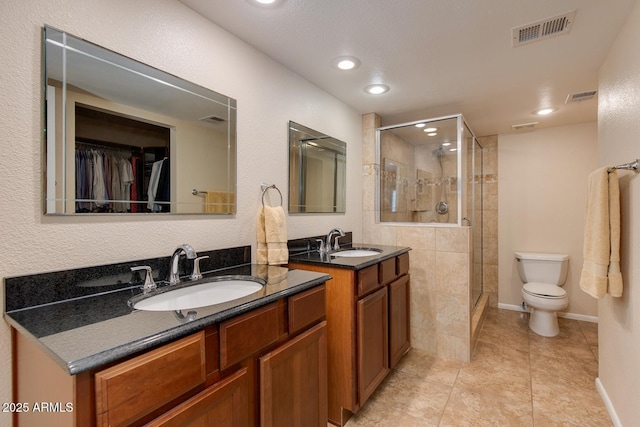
(619, 142)
(541, 205)
(167, 35)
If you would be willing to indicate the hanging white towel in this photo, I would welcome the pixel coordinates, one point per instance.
(272, 236)
(601, 268)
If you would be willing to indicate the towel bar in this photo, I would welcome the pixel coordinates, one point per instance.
(627, 166)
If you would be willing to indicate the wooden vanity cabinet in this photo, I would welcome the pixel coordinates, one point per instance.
(372, 342)
(293, 382)
(367, 329)
(249, 368)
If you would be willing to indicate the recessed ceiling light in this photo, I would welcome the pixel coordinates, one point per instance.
(545, 111)
(266, 3)
(432, 133)
(421, 125)
(453, 149)
(430, 129)
(376, 89)
(346, 62)
(446, 144)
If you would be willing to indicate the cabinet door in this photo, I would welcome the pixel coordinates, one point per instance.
(373, 347)
(224, 404)
(293, 382)
(399, 336)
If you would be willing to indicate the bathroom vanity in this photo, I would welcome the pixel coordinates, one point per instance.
(260, 360)
(367, 321)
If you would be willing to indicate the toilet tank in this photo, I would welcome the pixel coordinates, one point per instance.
(542, 267)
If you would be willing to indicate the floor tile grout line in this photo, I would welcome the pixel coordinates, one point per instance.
(533, 421)
(449, 396)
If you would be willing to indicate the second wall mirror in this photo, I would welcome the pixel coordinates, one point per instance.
(317, 171)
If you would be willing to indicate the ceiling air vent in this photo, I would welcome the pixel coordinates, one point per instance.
(542, 29)
(582, 96)
(522, 126)
(213, 120)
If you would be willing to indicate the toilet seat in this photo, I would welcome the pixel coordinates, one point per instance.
(544, 290)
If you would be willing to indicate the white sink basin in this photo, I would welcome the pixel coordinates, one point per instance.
(200, 295)
(356, 253)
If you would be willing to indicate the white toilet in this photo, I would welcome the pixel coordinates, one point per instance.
(543, 275)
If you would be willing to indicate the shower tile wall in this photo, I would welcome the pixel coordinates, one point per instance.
(490, 217)
(440, 280)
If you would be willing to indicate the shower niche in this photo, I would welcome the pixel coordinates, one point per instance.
(431, 172)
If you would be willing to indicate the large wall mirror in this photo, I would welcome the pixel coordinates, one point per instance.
(317, 171)
(122, 137)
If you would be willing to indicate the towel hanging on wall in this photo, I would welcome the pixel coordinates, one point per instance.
(272, 232)
(601, 269)
(272, 236)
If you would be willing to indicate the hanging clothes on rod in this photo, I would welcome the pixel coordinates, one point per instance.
(158, 192)
(104, 177)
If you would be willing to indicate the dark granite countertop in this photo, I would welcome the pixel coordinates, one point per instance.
(353, 263)
(85, 332)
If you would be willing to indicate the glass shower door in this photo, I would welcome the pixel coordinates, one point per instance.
(475, 181)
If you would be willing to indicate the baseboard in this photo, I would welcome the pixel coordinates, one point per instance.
(574, 316)
(607, 403)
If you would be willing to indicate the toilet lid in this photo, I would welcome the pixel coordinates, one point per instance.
(545, 290)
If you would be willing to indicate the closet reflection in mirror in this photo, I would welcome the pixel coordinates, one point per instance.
(122, 137)
(317, 171)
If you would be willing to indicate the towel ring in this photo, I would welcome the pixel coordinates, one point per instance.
(266, 188)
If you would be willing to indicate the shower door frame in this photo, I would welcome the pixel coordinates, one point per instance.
(459, 171)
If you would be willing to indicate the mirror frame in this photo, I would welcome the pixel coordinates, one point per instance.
(299, 185)
(173, 98)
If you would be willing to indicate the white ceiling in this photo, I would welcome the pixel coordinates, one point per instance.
(439, 57)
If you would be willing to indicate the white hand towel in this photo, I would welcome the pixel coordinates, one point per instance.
(262, 253)
(275, 227)
(615, 276)
(601, 268)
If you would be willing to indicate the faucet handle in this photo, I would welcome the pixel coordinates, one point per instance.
(321, 248)
(149, 284)
(195, 274)
(336, 245)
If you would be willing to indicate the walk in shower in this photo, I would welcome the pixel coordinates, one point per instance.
(431, 173)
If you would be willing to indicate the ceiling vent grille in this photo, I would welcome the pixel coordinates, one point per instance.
(213, 120)
(542, 29)
(582, 96)
(521, 126)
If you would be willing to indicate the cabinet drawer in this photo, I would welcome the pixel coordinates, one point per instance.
(403, 264)
(367, 279)
(245, 335)
(306, 308)
(387, 271)
(224, 403)
(133, 389)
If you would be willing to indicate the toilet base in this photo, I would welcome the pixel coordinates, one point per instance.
(544, 323)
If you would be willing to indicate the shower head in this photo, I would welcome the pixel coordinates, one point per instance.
(438, 152)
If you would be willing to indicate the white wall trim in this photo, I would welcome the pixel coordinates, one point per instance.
(607, 403)
(574, 316)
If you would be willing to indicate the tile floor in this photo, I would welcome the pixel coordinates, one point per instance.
(515, 378)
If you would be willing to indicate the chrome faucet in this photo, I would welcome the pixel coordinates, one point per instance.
(327, 243)
(174, 277)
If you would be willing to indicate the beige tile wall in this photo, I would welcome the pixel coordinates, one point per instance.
(440, 303)
(490, 217)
